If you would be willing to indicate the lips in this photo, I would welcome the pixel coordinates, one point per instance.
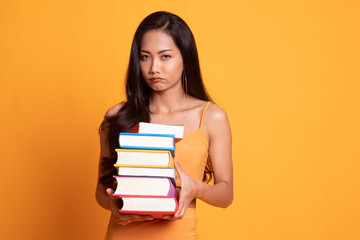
(155, 79)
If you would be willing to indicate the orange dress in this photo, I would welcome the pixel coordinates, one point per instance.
(192, 154)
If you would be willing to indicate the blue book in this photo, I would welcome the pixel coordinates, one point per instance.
(147, 141)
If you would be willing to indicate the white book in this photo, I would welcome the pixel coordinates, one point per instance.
(147, 172)
(155, 128)
(144, 158)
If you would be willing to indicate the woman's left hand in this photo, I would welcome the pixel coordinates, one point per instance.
(189, 190)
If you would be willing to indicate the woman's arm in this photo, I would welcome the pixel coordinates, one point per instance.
(217, 129)
(104, 195)
(216, 125)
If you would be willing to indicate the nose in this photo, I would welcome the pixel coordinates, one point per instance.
(154, 66)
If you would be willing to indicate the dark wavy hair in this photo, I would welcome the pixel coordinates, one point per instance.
(136, 106)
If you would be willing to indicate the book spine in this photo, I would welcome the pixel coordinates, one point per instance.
(172, 190)
(134, 129)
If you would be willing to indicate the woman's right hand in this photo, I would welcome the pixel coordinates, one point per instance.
(123, 219)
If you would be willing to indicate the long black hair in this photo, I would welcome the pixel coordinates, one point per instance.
(136, 106)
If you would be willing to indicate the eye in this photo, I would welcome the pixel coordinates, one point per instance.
(144, 57)
(165, 57)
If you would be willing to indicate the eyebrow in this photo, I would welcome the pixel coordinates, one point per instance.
(159, 52)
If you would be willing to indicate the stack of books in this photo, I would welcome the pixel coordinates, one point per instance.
(146, 176)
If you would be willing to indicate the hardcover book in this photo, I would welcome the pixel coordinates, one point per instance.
(144, 158)
(157, 207)
(144, 186)
(147, 141)
(148, 172)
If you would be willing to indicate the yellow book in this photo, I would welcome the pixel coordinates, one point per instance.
(144, 158)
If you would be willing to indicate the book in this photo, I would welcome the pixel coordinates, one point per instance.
(155, 128)
(148, 172)
(157, 207)
(144, 158)
(144, 186)
(147, 141)
(146, 175)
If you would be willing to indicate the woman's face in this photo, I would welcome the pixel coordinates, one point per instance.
(161, 62)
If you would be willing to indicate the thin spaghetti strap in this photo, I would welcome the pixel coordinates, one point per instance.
(203, 115)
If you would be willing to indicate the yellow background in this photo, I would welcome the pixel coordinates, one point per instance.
(286, 72)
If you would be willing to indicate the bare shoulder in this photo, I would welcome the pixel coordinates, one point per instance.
(215, 114)
(114, 110)
(216, 121)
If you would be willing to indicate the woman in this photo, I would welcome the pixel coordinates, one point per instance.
(164, 86)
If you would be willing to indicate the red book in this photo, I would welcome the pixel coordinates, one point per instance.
(156, 207)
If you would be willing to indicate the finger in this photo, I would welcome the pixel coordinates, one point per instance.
(169, 217)
(180, 203)
(135, 218)
(183, 203)
(126, 219)
(179, 170)
(119, 202)
(116, 213)
(110, 193)
(180, 207)
(143, 218)
(177, 164)
(147, 218)
(123, 222)
(182, 211)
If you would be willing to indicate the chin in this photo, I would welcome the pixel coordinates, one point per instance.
(157, 87)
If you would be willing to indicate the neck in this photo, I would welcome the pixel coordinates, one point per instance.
(168, 101)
